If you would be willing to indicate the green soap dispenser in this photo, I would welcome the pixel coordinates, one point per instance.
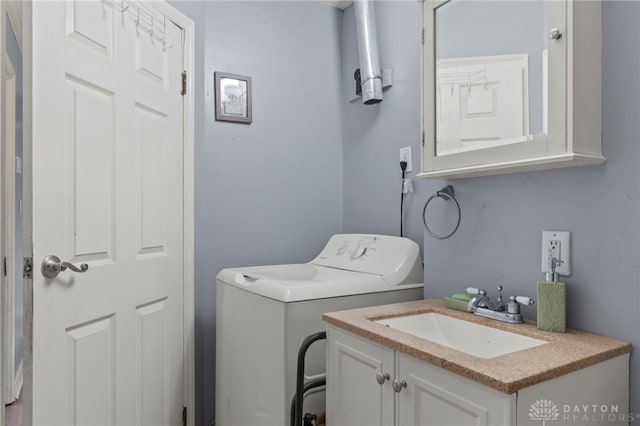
(552, 301)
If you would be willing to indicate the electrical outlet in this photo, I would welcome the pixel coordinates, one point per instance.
(405, 155)
(556, 244)
(553, 249)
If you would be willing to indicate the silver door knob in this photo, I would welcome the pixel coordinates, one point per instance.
(52, 266)
(398, 385)
(382, 377)
(555, 34)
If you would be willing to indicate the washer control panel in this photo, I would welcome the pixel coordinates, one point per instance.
(375, 254)
(352, 249)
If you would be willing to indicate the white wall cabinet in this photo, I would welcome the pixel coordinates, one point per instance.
(560, 123)
(360, 391)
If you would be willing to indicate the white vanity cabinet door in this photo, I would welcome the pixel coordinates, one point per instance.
(435, 397)
(354, 396)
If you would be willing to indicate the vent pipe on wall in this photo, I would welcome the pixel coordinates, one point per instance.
(368, 52)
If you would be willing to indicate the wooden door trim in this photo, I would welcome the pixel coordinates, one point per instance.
(187, 26)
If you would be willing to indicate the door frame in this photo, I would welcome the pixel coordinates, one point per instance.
(13, 379)
(187, 25)
(188, 28)
(13, 12)
(3, 208)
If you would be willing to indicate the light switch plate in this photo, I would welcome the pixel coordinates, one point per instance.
(557, 243)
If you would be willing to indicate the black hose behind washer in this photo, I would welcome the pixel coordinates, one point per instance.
(300, 386)
(316, 383)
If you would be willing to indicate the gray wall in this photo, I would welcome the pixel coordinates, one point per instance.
(269, 192)
(503, 216)
(374, 134)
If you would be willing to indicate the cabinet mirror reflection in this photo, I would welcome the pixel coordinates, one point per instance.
(491, 73)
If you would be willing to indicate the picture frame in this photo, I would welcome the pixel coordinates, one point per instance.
(232, 97)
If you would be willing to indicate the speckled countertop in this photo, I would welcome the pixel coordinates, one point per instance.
(565, 352)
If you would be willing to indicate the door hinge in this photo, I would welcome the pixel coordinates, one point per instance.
(4, 266)
(184, 83)
(27, 268)
(423, 36)
(423, 138)
(184, 416)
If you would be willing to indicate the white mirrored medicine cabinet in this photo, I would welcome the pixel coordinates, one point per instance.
(510, 86)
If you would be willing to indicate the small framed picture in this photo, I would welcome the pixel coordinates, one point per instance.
(233, 97)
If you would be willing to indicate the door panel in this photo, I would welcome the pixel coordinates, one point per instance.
(151, 128)
(151, 62)
(90, 182)
(152, 363)
(91, 372)
(91, 24)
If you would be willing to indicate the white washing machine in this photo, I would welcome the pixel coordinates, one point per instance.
(264, 313)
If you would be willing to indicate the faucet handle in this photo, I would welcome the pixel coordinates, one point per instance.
(513, 307)
(473, 290)
(523, 300)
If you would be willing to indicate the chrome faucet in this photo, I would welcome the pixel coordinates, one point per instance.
(482, 306)
(480, 300)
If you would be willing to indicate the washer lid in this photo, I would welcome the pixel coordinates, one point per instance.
(395, 259)
(298, 282)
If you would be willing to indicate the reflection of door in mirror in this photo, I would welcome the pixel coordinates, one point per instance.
(490, 74)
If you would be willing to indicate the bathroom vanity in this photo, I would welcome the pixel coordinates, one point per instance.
(481, 371)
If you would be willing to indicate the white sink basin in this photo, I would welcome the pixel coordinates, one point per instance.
(474, 339)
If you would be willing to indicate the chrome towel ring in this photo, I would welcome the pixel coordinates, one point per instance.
(446, 194)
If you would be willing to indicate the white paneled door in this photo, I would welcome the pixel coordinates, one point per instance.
(108, 189)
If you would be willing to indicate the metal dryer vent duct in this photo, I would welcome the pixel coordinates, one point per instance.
(368, 52)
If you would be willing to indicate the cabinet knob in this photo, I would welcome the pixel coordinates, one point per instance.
(398, 385)
(382, 377)
(555, 34)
